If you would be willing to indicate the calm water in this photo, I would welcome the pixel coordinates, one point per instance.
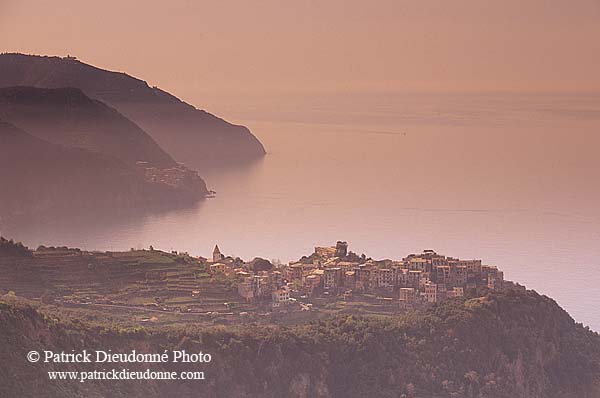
(512, 180)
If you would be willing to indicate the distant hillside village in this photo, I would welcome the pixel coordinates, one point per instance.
(334, 272)
(166, 288)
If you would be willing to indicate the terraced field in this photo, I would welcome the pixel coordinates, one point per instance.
(140, 284)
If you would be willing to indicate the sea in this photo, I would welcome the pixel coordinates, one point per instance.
(509, 178)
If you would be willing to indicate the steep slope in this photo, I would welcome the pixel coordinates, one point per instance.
(38, 176)
(518, 345)
(192, 136)
(66, 116)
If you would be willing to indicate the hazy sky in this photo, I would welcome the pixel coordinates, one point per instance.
(207, 48)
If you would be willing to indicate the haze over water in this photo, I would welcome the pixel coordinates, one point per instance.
(511, 179)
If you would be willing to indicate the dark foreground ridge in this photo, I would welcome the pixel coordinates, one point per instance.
(501, 345)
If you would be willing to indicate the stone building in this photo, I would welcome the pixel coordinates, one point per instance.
(408, 297)
(217, 256)
(341, 249)
(280, 297)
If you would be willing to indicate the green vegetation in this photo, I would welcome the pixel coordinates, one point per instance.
(10, 248)
(145, 257)
(502, 345)
(486, 345)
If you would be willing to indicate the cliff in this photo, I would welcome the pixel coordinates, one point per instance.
(194, 137)
(502, 345)
(66, 116)
(40, 176)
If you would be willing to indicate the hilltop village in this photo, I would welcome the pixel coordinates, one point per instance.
(330, 314)
(141, 286)
(336, 273)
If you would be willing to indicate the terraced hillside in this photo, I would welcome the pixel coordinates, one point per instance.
(137, 280)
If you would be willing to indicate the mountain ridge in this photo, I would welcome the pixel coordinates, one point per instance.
(501, 345)
(40, 176)
(66, 116)
(192, 136)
